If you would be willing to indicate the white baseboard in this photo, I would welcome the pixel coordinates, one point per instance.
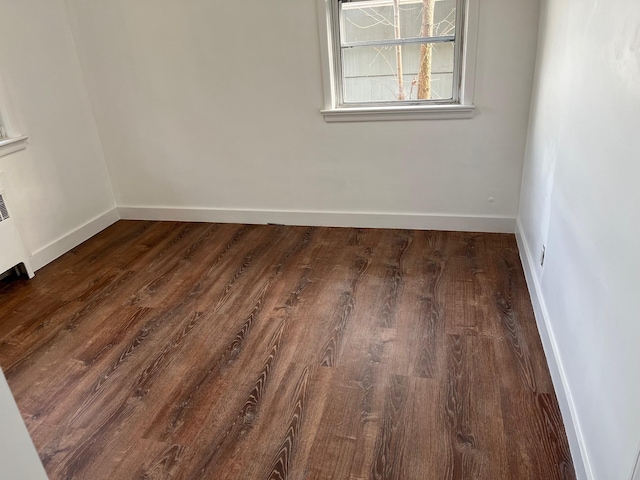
(495, 224)
(62, 245)
(554, 360)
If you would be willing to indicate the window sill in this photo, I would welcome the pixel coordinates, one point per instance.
(10, 145)
(372, 114)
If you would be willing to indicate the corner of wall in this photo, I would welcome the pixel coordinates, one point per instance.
(89, 105)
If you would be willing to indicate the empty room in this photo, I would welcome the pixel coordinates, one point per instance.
(321, 239)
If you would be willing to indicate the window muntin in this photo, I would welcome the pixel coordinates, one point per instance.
(397, 52)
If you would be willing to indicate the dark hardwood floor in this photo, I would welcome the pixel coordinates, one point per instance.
(207, 351)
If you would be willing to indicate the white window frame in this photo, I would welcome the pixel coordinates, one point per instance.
(461, 107)
(14, 140)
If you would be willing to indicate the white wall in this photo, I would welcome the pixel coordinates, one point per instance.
(60, 182)
(18, 457)
(580, 197)
(206, 104)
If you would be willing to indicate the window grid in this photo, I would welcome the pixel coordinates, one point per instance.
(339, 46)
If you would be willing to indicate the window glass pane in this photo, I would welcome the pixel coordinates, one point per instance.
(370, 74)
(371, 20)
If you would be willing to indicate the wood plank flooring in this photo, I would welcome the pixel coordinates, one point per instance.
(160, 350)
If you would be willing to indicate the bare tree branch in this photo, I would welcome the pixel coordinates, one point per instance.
(399, 75)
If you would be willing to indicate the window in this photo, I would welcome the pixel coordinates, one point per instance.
(397, 59)
(10, 138)
(3, 132)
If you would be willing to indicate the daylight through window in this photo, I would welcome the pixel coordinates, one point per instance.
(397, 51)
(3, 132)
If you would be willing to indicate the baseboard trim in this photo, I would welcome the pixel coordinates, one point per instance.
(494, 224)
(554, 360)
(62, 245)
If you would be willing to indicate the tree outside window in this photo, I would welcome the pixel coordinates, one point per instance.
(397, 50)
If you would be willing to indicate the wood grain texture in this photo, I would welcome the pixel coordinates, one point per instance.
(162, 350)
